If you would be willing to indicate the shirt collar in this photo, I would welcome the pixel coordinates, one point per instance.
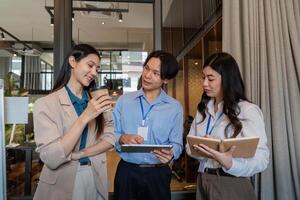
(163, 97)
(75, 99)
(211, 108)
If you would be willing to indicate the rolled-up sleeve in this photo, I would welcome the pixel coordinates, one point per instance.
(47, 136)
(108, 131)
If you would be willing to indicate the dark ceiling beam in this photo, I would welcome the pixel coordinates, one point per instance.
(121, 1)
(90, 9)
(15, 38)
(48, 9)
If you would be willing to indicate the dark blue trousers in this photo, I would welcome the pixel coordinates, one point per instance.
(133, 182)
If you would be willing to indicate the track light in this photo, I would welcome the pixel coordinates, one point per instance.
(52, 21)
(120, 17)
(73, 17)
(2, 36)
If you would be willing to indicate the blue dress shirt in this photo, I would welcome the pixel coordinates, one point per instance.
(80, 105)
(164, 122)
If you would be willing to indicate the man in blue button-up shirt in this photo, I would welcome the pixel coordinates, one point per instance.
(148, 116)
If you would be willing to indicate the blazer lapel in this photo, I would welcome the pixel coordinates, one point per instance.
(72, 116)
(69, 110)
(67, 104)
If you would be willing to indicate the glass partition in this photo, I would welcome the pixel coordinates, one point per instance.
(184, 20)
(187, 88)
(192, 19)
(46, 76)
(120, 70)
(16, 65)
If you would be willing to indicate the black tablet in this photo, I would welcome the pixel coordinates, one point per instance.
(143, 148)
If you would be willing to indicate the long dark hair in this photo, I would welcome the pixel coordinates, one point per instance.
(79, 52)
(233, 89)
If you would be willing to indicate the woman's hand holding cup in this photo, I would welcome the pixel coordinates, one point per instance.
(99, 103)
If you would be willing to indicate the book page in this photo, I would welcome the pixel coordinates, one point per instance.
(210, 142)
(245, 147)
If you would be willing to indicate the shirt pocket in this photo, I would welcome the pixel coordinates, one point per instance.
(160, 131)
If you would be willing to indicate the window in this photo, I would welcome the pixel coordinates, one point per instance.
(46, 78)
(120, 70)
(16, 65)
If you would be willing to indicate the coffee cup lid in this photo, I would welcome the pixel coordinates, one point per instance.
(98, 88)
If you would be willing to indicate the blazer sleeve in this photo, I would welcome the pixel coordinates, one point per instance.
(48, 132)
(108, 131)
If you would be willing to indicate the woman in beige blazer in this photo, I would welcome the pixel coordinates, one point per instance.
(72, 142)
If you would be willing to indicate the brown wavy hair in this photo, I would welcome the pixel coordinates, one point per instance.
(233, 89)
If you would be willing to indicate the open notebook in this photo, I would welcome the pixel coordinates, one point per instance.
(245, 147)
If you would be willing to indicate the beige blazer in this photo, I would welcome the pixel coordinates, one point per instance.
(53, 116)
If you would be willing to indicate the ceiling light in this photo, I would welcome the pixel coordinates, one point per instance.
(52, 21)
(102, 23)
(73, 17)
(2, 36)
(120, 17)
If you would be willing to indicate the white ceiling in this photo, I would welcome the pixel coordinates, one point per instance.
(29, 21)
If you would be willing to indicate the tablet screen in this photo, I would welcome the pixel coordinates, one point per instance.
(143, 148)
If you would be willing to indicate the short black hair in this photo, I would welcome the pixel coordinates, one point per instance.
(169, 66)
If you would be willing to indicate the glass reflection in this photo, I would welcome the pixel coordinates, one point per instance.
(120, 70)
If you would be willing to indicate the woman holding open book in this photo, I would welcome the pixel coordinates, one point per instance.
(224, 112)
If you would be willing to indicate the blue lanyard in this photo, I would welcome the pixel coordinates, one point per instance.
(144, 115)
(207, 126)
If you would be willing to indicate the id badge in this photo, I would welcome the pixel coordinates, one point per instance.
(143, 131)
